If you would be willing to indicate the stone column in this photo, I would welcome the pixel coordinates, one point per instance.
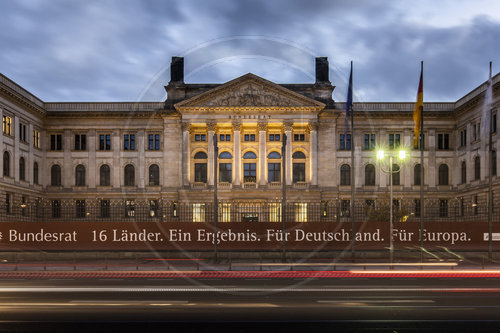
(140, 137)
(186, 153)
(68, 180)
(262, 152)
(237, 153)
(91, 145)
(210, 167)
(313, 129)
(116, 146)
(287, 126)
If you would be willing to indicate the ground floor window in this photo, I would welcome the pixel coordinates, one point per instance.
(80, 208)
(56, 208)
(345, 208)
(275, 212)
(198, 212)
(105, 208)
(224, 212)
(301, 212)
(129, 208)
(153, 208)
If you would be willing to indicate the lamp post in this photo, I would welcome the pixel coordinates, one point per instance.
(401, 156)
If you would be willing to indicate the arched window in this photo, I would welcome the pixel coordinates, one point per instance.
(477, 168)
(55, 175)
(154, 175)
(299, 167)
(80, 175)
(225, 155)
(369, 175)
(250, 168)
(6, 164)
(225, 168)
(274, 155)
(494, 163)
(129, 175)
(396, 178)
(22, 169)
(463, 171)
(249, 155)
(104, 175)
(200, 156)
(298, 155)
(443, 174)
(345, 175)
(35, 173)
(417, 175)
(200, 169)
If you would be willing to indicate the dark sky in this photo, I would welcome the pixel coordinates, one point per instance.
(120, 50)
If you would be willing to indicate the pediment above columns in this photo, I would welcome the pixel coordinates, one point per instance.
(249, 93)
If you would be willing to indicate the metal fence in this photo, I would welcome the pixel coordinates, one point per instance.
(234, 211)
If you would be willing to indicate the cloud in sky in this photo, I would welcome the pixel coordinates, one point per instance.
(120, 50)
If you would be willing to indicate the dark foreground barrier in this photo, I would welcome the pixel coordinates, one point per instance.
(242, 236)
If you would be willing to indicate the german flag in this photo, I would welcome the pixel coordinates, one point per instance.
(419, 107)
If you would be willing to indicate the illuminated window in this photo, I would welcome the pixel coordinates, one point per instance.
(198, 212)
(301, 212)
(275, 212)
(129, 208)
(36, 139)
(225, 212)
(153, 208)
(7, 125)
(345, 208)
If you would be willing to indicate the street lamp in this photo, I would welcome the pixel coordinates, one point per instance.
(401, 155)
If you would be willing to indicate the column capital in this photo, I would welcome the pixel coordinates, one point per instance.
(236, 125)
(262, 124)
(287, 125)
(312, 126)
(211, 126)
(186, 126)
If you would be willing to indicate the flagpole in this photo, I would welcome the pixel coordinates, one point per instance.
(349, 110)
(490, 187)
(422, 170)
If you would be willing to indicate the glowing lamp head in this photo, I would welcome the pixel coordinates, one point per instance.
(380, 154)
(402, 154)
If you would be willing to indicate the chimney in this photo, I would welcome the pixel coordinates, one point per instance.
(322, 70)
(177, 70)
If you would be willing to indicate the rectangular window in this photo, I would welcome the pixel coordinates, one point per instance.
(274, 172)
(475, 202)
(443, 141)
(275, 212)
(22, 132)
(224, 212)
(418, 141)
(301, 212)
(394, 141)
(200, 172)
(129, 142)
(199, 212)
(443, 208)
(369, 141)
(24, 209)
(80, 142)
(462, 206)
(299, 172)
(345, 208)
(80, 208)
(36, 139)
(249, 137)
(225, 137)
(345, 141)
(463, 138)
(104, 141)
(56, 209)
(249, 172)
(55, 142)
(494, 123)
(129, 208)
(7, 125)
(153, 208)
(8, 203)
(417, 207)
(200, 137)
(225, 173)
(274, 137)
(299, 137)
(105, 208)
(154, 141)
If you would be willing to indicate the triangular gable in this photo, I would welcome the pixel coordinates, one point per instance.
(249, 92)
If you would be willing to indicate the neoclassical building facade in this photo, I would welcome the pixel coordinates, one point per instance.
(162, 155)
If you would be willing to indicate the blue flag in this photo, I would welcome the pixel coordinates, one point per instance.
(348, 104)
